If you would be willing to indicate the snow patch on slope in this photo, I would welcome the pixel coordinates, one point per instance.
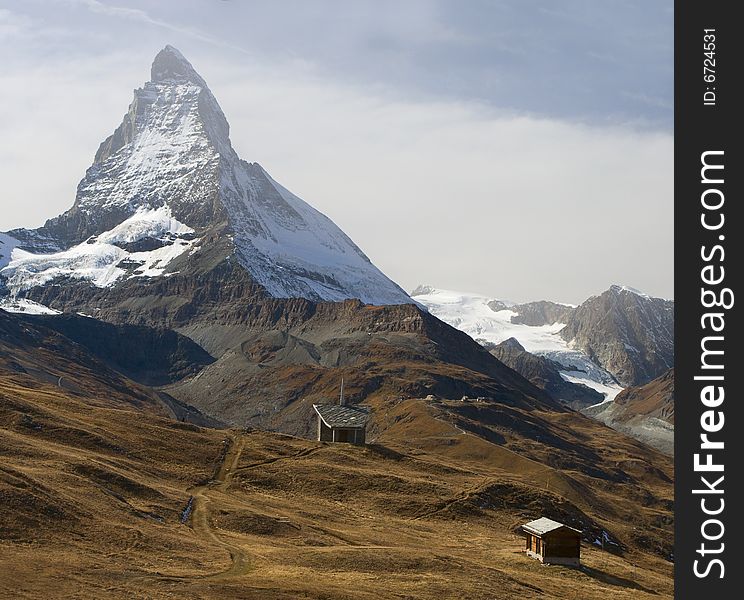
(144, 223)
(298, 251)
(100, 260)
(7, 244)
(26, 307)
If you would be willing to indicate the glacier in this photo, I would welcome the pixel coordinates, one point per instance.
(101, 259)
(474, 314)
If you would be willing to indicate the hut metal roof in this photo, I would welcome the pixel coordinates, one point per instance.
(336, 415)
(544, 525)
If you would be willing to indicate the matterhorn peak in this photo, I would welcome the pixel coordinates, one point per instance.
(166, 180)
(171, 66)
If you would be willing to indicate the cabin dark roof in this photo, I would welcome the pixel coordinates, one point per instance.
(335, 415)
(544, 525)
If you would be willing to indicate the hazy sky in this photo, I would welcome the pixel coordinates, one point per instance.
(516, 148)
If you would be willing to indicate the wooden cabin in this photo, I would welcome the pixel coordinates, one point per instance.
(552, 542)
(340, 423)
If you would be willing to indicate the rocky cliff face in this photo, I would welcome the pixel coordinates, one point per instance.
(629, 334)
(148, 355)
(170, 165)
(655, 399)
(34, 354)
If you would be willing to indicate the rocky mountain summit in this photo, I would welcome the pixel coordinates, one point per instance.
(542, 312)
(167, 183)
(628, 333)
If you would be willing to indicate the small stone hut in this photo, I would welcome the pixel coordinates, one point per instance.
(552, 542)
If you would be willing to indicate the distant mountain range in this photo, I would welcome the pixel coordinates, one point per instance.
(623, 331)
(580, 355)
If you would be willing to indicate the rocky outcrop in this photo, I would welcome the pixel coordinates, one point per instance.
(545, 374)
(645, 412)
(31, 351)
(655, 399)
(629, 334)
(152, 356)
(540, 313)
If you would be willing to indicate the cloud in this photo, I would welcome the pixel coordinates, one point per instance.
(456, 195)
(20, 28)
(12, 25)
(142, 16)
(573, 63)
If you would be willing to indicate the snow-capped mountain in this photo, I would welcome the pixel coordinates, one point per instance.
(167, 183)
(618, 338)
(492, 321)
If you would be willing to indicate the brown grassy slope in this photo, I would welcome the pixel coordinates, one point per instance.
(581, 472)
(88, 480)
(94, 480)
(285, 517)
(40, 356)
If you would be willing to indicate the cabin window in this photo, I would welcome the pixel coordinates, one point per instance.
(537, 545)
